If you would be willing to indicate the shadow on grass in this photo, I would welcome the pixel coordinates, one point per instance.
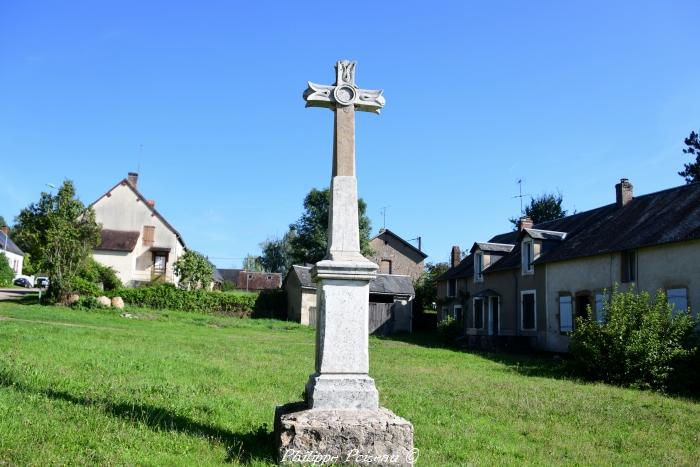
(248, 447)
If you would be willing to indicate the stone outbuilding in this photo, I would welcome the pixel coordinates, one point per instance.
(390, 300)
(396, 256)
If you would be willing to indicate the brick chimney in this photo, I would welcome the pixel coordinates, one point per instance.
(6, 230)
(524, 223)
(455, 256)
(623, 192)
(133, 179)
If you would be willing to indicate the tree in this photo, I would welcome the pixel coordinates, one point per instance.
(546, 207)
(253, 263)
(310, 239)
(691, 170)
(59, 233)
(277, 253)
(194, 270)
(6, 272)
(426, 286)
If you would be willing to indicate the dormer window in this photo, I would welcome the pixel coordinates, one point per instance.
(528, 256)
(479, 267)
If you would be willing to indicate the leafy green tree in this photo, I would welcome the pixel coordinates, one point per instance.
(310, 240)
(253, 263)
(546, 207)
(691, 170)
(59, 233)
(6, 272)
(426, 286)
(277, 253)
(194, 270)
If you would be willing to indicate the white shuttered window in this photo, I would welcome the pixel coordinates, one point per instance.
(678, 298)
(566, 323)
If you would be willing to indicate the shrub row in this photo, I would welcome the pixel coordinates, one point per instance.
(642, 342)
(167, 296)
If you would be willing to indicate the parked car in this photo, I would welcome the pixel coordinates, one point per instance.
(29, 279)
(22, 282)
(42, 282)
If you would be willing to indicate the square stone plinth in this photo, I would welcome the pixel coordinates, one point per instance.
(334, 437)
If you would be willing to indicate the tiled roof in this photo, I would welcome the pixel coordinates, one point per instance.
(401, 240)
(666, 216)
(117, 240)
(11, 247)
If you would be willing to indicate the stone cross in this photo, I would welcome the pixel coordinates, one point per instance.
(341, 380)
(340, 417)
(343, 98)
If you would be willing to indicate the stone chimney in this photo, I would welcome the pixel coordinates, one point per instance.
(456, 256)
(6, 230)
(133, 179)
(524, 223)
(623, 192)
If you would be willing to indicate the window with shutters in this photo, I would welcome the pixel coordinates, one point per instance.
(528, 256)
(528, 316)
(600, 307)
(629, 266)
(479, 267)
(451, 287)
(678, 298)
(566, 323)
(148, 234)
(457, 313)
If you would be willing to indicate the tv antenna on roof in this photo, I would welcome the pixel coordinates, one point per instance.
(383, 211)
(521, 195)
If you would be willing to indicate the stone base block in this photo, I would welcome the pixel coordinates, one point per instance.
(352, 437)
(347, 392)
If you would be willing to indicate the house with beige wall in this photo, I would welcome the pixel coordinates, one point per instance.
(394, 255)
(555, 270)
(136, 240)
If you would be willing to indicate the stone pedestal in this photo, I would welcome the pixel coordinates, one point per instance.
(333, 437)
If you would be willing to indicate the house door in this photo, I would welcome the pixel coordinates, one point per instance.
(494, 316)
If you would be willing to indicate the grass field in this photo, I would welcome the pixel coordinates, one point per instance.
(81, 387)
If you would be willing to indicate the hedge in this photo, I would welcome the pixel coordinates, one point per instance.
(167, 296)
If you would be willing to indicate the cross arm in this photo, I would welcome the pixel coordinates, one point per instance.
(365, 100)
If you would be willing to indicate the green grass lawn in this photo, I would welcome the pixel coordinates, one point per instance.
(80, 387)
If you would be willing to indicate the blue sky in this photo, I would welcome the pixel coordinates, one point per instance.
(204, 100)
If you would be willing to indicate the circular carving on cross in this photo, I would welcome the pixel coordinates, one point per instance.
(344, 94)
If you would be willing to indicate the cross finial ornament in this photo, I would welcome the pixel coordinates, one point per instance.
(344, 92)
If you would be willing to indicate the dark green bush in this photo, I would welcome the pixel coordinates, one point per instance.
(167, 296)
(640, 343)
(6, 272)
(98, 273)
(84, 287)
(87, 303)
(271, 304)
(449, 329)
